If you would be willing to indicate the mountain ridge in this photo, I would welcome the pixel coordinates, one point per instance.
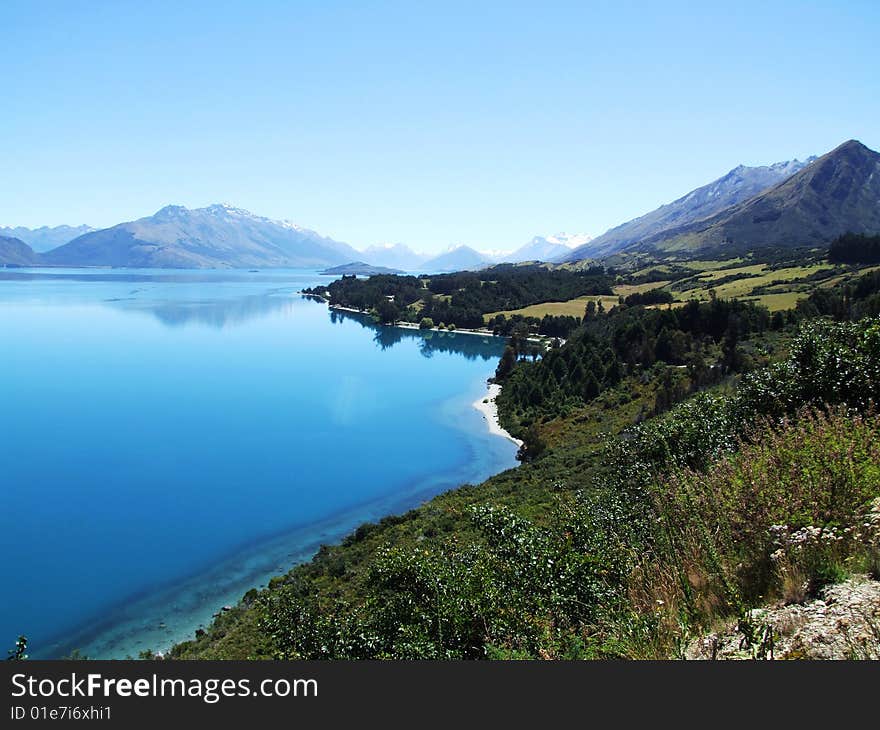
(735, 186)
(838, 193)
(216, 236)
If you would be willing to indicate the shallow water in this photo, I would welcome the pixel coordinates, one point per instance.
(170, 439)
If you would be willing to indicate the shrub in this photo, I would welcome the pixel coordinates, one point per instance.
(784, 516)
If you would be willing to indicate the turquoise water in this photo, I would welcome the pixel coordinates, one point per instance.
(169, 440)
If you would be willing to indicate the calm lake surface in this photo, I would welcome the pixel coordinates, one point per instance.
(169, 440)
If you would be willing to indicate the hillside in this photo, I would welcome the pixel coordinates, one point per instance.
(218, 236)
(624, 533)
(736, 186)
(838, 193)
(16, 253)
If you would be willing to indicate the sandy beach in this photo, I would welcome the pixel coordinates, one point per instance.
(487, 407)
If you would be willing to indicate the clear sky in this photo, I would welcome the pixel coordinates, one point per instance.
(429, 124)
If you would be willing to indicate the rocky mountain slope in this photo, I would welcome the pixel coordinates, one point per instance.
(738, 185)
(837, 193)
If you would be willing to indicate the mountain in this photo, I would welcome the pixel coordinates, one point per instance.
(738, 185)
(462, 258)
(359, 268)
(45, 238)
(219, 236)
(837, 193)
(395, 256)
(546, 248)
(14, 252)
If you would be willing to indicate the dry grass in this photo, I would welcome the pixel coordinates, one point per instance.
(572, 308)
(780, 301)
(730, 536)
(624, 290)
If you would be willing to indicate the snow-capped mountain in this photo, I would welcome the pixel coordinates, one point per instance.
(546, 248)
(395, 256)
(218, 236)
(460, 258)
(738, 185)
(837, 193)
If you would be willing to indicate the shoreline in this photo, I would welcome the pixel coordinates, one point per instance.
(163, 615)
(487, 407)
(400, 323)
(540, 339)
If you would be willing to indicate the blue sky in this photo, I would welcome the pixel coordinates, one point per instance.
(428, 124)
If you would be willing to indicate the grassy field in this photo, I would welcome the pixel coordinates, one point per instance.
(573, 307)
(777, 289)
(780, 301)
(576, 307)
(624, 290)
(708, 265)
(758, 275)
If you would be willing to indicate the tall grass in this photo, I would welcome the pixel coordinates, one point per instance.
(787, 513)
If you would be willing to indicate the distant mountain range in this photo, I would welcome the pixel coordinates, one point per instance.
(738, 185)
(219, 236)
(461, 258)
(395, 256)
(45, 238)
(786, 204)
(549, 248)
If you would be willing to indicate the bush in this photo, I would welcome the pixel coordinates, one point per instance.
(426, 323)
(829, 363)
(785, 516)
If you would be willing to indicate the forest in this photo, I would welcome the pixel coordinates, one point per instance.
(462, 298)
(855, 248)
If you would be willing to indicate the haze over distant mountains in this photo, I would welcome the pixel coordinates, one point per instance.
(218, 236)
(740, 184)
(549, 248)
(45, 238)
(395, 256)
(786, 204)
(461, 258)
(222, 236)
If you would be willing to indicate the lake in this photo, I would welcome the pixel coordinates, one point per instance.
(170, 439)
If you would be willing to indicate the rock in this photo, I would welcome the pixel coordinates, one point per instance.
(843, 624)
